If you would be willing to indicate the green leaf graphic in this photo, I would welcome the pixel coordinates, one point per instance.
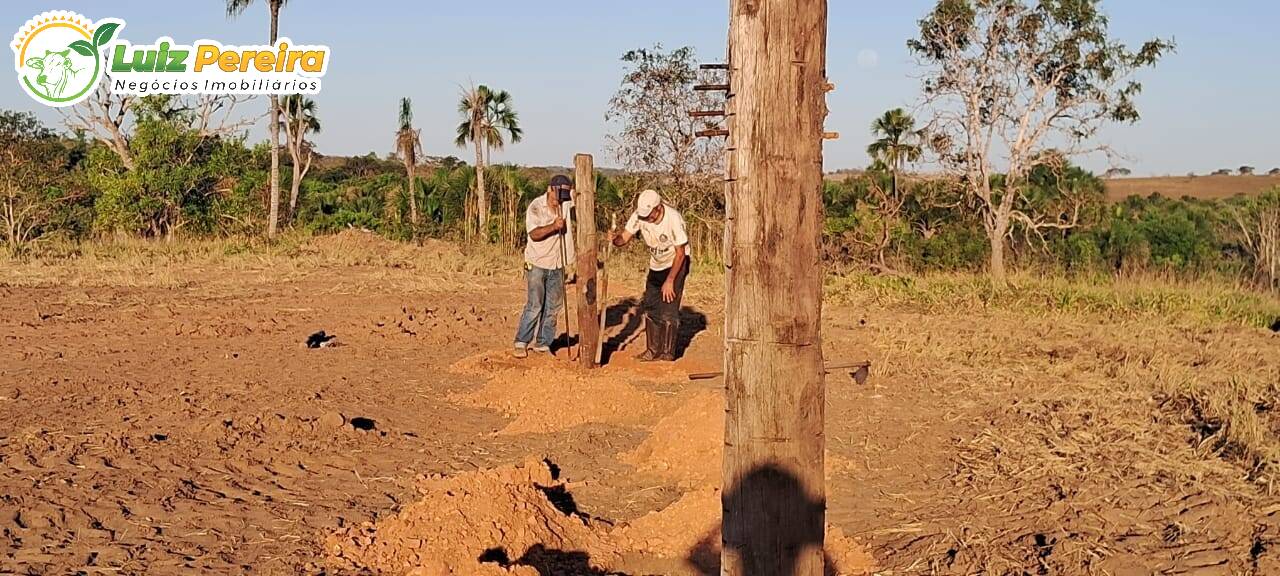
(82, 48)
(104, 33)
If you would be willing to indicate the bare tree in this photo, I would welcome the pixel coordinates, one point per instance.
(1006, 80)
(658, 139)
(1258, 227)
(216, 114)
(104, 117)
(880, 215)
(32, 162)
(108, 118)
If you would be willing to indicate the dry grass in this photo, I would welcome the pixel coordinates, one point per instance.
(1200, 302)
(1096, 432)
(142, 263)
(1232, 419)
(1202, 187)
(147, 263)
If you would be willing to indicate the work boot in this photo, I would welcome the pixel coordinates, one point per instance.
(652, 340)
(670, 335)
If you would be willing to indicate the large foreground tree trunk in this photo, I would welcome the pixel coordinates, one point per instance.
(774, 499)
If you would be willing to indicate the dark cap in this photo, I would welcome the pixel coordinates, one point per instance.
(561, 181)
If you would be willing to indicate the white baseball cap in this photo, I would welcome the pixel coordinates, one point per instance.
(649, 199)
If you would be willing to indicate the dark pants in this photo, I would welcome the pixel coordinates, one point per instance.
(652, 305)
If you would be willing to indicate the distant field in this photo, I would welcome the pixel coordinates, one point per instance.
(1205, 187)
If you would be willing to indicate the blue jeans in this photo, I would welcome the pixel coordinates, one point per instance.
(544, 299)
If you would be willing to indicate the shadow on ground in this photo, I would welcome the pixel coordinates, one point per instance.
(548, 562)
(626, 313)
(772, 508)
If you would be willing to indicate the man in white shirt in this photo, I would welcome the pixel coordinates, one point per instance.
(545, 256)
(662, 229)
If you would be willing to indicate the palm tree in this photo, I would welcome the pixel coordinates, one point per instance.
(409, 144)
(236, 8)
(472, 108)
(898, 142)
(500, 116)
(485, 116)
(298, 118)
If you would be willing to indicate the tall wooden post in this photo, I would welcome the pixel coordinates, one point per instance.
(774, 499)
(589, 305)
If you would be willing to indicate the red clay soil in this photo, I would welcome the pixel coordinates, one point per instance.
(171, 422)
(506, 520)
(542, 394)
(685, 445)
(521, 520)
(499, 521)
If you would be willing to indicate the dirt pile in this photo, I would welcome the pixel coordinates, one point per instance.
(689, 529)
(685, 446)
(500, 521)
(519, 520)
(677, 531)
(543, 395)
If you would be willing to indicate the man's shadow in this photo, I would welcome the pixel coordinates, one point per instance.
(548, 562)
(772, 512)
(627, 313)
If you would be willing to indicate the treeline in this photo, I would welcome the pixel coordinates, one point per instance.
(185, 183)
(931, 227)
(182, 179)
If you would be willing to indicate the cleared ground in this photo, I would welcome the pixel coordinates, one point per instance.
(1202, 187)
(162, 416)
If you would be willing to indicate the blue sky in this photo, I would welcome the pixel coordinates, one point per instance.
(1211, 105)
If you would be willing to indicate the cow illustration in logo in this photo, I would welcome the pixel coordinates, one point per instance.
(60, 55)
(55, 70)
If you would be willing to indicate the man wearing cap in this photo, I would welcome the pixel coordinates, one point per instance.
(662, 229)
(545, 256)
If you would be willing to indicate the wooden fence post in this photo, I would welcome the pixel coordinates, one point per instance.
(587, 261)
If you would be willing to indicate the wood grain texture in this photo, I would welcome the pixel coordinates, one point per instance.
(587, 261)
(774, 503)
